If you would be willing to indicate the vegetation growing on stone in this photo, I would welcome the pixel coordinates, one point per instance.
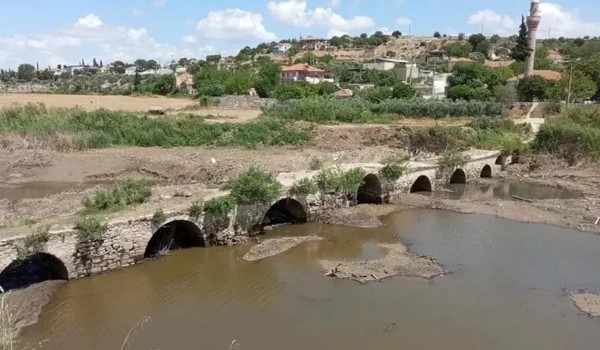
(303, 188)
(159, 218)
(254, 186)
(220, 205)
(394, 167)
(335, 180)
(90, 228)
(34, 243)
(118, 197)
(67, 129)
(196, 209)
(450, 160)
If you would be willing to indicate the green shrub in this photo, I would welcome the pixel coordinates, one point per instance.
(159, 218)
(254, 187)
(303, 188)
(450, 160)
(326, 110)
(196, 209)
(334, 179)
(90, 228)
(220, 205)
(119, 196)
(34, 243)
(394, 167)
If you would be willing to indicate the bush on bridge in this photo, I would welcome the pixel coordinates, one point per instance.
(34, 243)
(394, 167)
(303, 188)
(357, 110)
(450, 160)
(220, 205)
(90, 228)
(254, 186)
(336, 180)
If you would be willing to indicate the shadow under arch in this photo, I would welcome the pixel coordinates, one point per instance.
(33, 269)
(486, 172)
(458, 177)
(500, 160)
(285, 211)
(174, 235)
(371, 191)
(422, 184)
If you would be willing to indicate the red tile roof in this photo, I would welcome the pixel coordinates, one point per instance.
(546, 74)
(300, 67)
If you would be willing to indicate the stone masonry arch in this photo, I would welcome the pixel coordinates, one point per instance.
(371, 191)
(33, 269)
(458, 177)
(174, 235)
(422, 184)
(285, 211)
(486, 172)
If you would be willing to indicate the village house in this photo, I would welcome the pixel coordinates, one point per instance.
(185, 81)
(282, 49)
(130, 70)
(405, 70)
(304, 73)
(313, 43)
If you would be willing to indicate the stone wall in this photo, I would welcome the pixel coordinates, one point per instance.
(244, 102)
(125, 242)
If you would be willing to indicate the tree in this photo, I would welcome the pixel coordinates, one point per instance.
(396, 34)
(94, 63)
(458, 49)
(26, 72)
(461, 36)
(404, 91)
(152, 64)
(101, 64)
(437, 35)
(533, 87)
(364, 36)
(475, 39)
(137, 79)
(494, 39)
(213, 58)
(521, 51)
(268, 79)
(484, 47)
(582, 87)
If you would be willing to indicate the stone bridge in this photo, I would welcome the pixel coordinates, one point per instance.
(132, 240)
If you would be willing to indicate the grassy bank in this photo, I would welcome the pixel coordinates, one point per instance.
(39, 126)
(356, 110)
(573, 135)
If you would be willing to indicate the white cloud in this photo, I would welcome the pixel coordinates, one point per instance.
(88, 37)
(190, 39)
(160, 3)
(403, 21)
(296, 13)
(561, 21)
(89, 21)
(334, 3)
(234, 24)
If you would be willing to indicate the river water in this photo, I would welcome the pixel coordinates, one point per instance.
(505, 293)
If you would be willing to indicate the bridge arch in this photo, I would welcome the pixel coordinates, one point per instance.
(174, 235)
(33, 269)
(285, 211)
(486, 172)
(458, 177)
(371, 191)
(422, 184)
(500, 160)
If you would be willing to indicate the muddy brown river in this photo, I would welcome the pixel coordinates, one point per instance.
(505, 293)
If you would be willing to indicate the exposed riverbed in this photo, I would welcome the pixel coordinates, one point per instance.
(505, 292)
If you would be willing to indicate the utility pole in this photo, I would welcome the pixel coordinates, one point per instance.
(569, 89)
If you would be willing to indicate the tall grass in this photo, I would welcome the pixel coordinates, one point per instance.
(356, 110)
(119, 196)
(104, 128)
(573, 135)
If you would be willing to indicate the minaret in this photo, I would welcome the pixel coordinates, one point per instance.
(533, 22)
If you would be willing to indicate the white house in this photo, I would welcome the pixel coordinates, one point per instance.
(130, 70)
(383, 63)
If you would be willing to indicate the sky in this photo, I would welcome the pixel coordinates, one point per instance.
(67, 31)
